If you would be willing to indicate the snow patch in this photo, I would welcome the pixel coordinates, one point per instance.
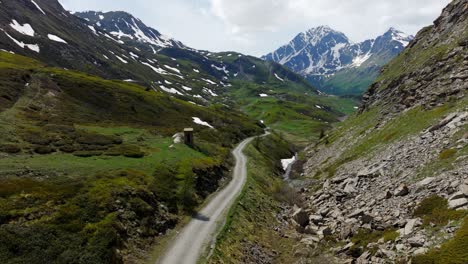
(122, 60)
(209, 91)
(170, 90)
(173, 69)
(209, 81)
(24, 29)
(358, 61)
(33, 47)
(198, 121)
(279, 78)
(263, 95)
(38, 7)
(56, 38)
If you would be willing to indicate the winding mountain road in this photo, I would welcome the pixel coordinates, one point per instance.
(200, 232)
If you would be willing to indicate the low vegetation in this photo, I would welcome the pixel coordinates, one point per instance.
(253, 218)
(88, 165)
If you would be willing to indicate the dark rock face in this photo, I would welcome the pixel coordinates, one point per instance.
(433, 70)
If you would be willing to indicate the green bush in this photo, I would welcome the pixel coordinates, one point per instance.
(43, 150)
(165, 185)
(37, 138)
(10, 148)
(97, 139)
(434, 209)
(130, 151)
(67, 148)
(447, 154)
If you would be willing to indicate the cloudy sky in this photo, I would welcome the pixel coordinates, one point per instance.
(257, 27)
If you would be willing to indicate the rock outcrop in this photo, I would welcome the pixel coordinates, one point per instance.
(408, 143)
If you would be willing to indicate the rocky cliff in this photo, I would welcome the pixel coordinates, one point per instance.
(390, 184)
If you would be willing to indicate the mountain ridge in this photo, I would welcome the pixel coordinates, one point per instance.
(320, 53)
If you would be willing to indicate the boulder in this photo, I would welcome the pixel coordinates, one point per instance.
(417, 241)
(425, 182)
(301, 217)
(363, 259)
(310, 240)
(458, 203)
(316, 219)
(402, 190)
(357, 213)
(420, 251)
(410, 225)
(311, 229)
(456, 196)
(464, 189)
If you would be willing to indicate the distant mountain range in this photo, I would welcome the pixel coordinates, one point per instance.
(334, 64)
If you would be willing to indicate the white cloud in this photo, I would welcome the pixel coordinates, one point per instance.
(260, 26)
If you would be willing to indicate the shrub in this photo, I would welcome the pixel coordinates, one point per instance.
(67, 149)
(37, 139)
(390, 235)
(43, 150)
(97, 139)
(10, 148)
(130, 151)
(165, 185)
(434, 210)
(447, 154)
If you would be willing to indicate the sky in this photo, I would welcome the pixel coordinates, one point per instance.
(257, 27)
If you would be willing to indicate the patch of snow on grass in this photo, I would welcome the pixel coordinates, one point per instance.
(263, 95)
(56, 38)
(186, 88)
(209, 91)
(38, 7)
(122, 60)
(172, 69)
(279, 78)
(170, 90)
(158, 70)
(24, 29)
(198, 121)
(209, 81)
(33, 47)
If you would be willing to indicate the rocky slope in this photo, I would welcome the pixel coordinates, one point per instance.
(390, 183)
(331, 62)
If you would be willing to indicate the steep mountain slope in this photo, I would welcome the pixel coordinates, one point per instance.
(90, 171)
(390, 183)
(331, 62)
(124, 26)
(118, 46)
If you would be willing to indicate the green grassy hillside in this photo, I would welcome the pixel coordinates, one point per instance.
(89, 172)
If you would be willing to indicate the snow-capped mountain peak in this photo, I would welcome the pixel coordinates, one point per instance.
(124, 27)
(322, 52)
(400, 36)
